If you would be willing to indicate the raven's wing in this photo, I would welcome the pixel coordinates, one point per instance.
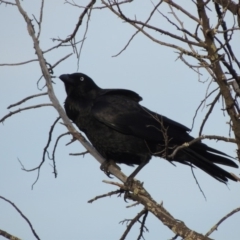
(125, 115)
(123, 92)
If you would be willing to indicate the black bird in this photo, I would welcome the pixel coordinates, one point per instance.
(123, 131)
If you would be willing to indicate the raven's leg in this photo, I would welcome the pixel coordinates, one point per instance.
(135, 172)
(105, 165)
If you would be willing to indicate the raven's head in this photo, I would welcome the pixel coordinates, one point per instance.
(79, 85)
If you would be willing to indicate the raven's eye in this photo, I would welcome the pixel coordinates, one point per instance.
(81, 78)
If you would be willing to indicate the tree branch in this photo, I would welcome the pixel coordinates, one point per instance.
(221, 221)
(25, 99)
(23, 216)
(17, 64)
(24, 109)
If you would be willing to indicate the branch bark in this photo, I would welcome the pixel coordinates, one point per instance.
(217, 69)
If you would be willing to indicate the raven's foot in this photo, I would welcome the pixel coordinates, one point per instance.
(131, 183)
(105, 167)
(133, 187)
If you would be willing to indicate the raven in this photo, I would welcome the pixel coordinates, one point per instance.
(123, 131)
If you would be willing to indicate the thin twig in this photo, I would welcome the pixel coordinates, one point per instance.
(8, 3)
(24, 109)
(17, 64)
(204, 100)
(133, 23)
(105, 195)
(47, 145)
(221, 220)
(84, 37)
(143, 226)
(79, 154)
(211, 137)
(133, 205)
(40, 19)
(25, 99)
(54, 150)
(61, 44)
(23, 216)
(209, 112)
(132, 222)
(79, 23)
(194, 176)
(129, 41)
(59, 61)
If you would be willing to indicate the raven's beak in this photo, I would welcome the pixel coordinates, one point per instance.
(66, 79)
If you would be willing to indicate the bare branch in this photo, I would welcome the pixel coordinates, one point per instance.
(150, 16)
(105, 195)
(215, 227)
(143, 226)
(182, 10)
(38, 168)
(46, 147)
(217, 69)
(133, 23)
(25, 99)
(59, 61)
(17, 64)
(209, 112)
(231, 6)
(7, 3)
(132, 222)
(84, 36)
(198, 183)
(204, 100)
(8, 235)
(211, 137)
(79, 23)
(99, 8)
(23, 216)
(26, 108)
(127, 44)
(79, 154)
(132, 205)
(40, 19)
(54, 150)
(221, 16)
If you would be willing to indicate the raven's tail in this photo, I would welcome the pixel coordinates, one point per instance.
(205, 159)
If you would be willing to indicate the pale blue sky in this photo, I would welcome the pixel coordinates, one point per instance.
(58, 208)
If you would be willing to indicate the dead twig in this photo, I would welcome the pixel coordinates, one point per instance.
(129, 41)
(17, 64)
(144, 213)
(47, 145)
(204, 100)
(105, 195)
(25, 99)
(209, 112)
(211, 137)
(24, 109)
(79, 154)
(23, 216)
(194, 176)
(59, 61)
(221, 221)
(7, 3)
